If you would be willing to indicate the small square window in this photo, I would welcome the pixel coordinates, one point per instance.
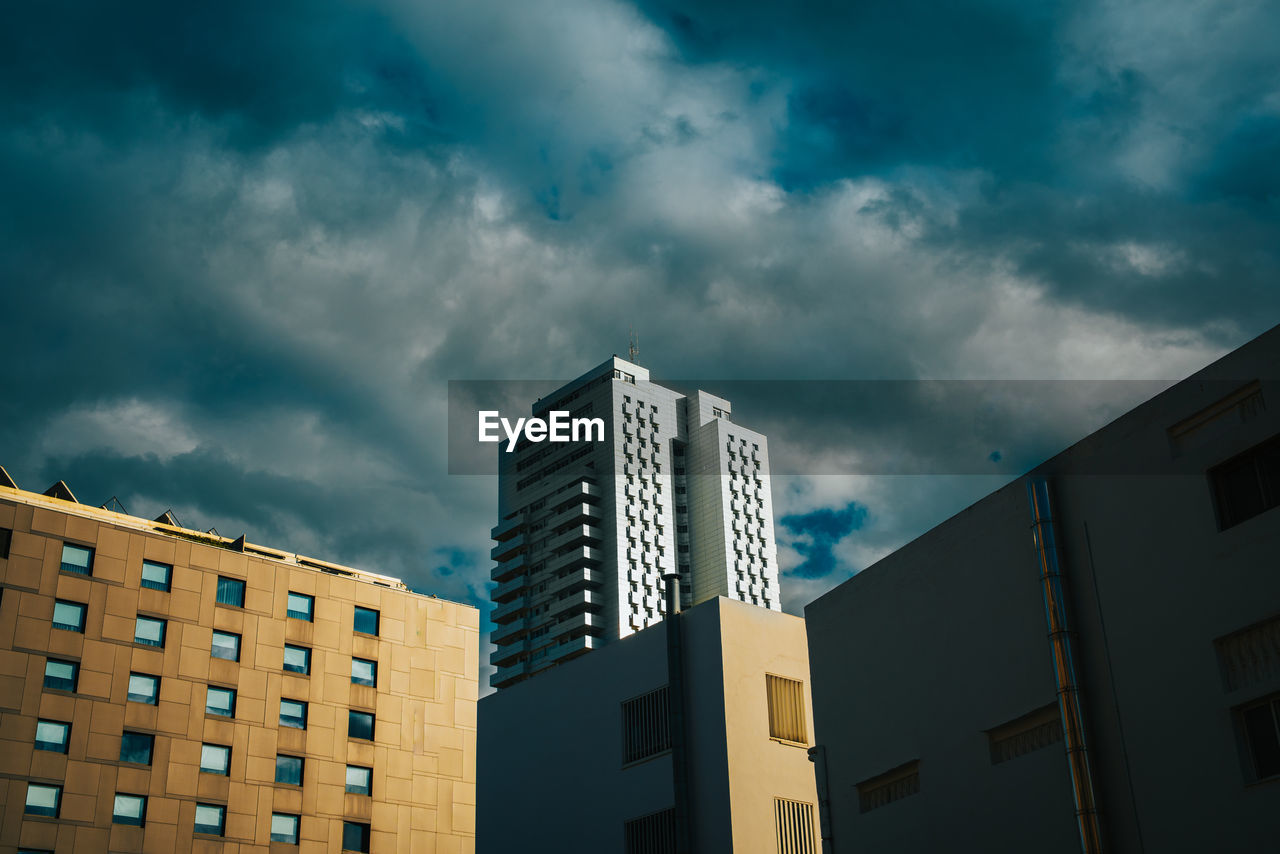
(136, 747)
(284, 828)
(144, 688)
(226, 645)
(360, 725)
(149, 631)
(129, 809)
(355, 836)
(1261, 723)
(301, 606)
(156, 576)
(220, 702)
(364, 672)
(289, 769)
(215, 759)
(359, 780)
(230, 591)
(293, 713)
(297, 659)
(210, 819)
(52, 736)
(366, 621)
(43, 800)
(61, 675)
(68, 616)
(77, 559)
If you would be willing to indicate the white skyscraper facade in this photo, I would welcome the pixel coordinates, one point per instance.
(588, 529)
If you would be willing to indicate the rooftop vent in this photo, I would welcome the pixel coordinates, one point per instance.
(62, 492)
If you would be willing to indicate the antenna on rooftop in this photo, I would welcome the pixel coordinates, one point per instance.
(633, 345)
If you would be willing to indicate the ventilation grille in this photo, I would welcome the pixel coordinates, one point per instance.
(1250, 656)
(652, 834)
(890, 786)
(794, 820)
(645, 730)
(1026, 734)
(786, 708)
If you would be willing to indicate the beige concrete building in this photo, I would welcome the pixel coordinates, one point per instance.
(163, 689)
(586, 757)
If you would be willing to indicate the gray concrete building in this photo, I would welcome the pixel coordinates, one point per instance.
(1087, 659)
(587, 529)
(584, 757)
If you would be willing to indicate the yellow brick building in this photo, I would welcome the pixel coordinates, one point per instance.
(163, 689)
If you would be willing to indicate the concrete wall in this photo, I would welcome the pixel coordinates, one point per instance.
(918, 656)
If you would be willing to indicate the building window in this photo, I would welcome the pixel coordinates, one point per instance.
(364, 672)
(6, 538)
(284, 828)
(210, 819)
(366, 621)
(215, 759)
(1261, 724)
(1026, 734)
(225, 646)
(289, 769)
(293, 713)
(52, 736)
(156, 576)
(786, 709)
(355, 836)
(129, 809)
(359, 780)
(220, 702)
(43, 800)
(892, 785)
(230, 591)
(301, 606)
(136, 747)
(360, 725)
(144, 688)
(68, 616)
(645, 726)
(651, 834)
(77, 559)
(794, 823)
(1247, 485)
(297, 659)
(149, 631)
(61, 675)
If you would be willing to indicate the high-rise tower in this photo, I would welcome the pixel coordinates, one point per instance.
(587, 529)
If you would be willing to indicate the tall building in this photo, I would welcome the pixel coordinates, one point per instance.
(1088, 659)
(601, 773)
(587, 529)
(163, 689)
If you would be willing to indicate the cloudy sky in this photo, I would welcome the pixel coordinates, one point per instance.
(244, 246)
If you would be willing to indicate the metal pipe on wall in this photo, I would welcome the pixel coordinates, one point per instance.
(1070, 706)
(676, 705)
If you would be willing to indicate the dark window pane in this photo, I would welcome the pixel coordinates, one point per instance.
(230, 591)
(366, 621)
(6, 537)
(289, 770)
(136, 747)
(301, 606)
(226, 646)
(156, 575)
(1264, 745)
(355, 836)
(360, 725)
(61, 675)
(52, 736)
(77, 559)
